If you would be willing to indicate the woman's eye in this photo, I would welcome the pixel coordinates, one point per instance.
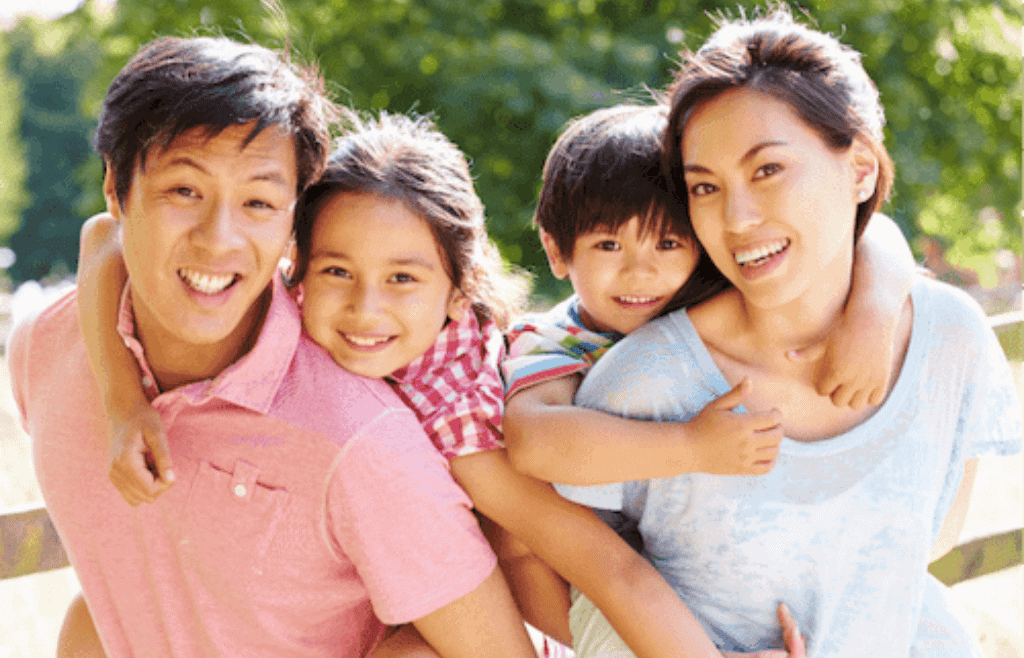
(402, 277)
(259, 204)
(767, 170)
(607, 245)
(702, 189)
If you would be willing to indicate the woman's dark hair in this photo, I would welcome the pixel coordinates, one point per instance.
(173, 85)
(407, 159)
(822, 80)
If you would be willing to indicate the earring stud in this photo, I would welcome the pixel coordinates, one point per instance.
(862, 194)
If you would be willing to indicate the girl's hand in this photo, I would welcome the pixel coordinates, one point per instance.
(725, 442)
(140, 462)
(795, 647)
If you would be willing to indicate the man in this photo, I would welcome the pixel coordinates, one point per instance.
(308, 505)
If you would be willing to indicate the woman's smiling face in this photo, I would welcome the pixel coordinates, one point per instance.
(772, 204)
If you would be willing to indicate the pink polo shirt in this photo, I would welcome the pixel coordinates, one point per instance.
(309, 505)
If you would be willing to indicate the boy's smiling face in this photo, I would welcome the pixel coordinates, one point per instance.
(623, 279)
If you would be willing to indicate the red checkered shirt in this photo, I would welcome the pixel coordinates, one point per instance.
(455, 387)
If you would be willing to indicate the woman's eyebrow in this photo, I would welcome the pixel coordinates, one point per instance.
(754, 150)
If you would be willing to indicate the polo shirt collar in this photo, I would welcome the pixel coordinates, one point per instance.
(253, 380)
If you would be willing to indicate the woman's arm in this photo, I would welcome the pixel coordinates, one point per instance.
(552, 440)
(140, 463)
(857, 357)
(640, 605)
(949, 534)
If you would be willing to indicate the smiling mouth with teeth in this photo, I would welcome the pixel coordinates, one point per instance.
(207, 284)
(761, 255)
(629, 299)
(362, 341)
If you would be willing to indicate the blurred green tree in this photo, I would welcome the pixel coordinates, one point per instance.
(53, 62)
(502, 77)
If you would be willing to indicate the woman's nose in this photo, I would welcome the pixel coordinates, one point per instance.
(742, 212)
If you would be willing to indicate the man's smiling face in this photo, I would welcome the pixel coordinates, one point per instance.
(203, 228)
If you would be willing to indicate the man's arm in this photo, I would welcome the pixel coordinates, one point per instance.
(484, 622)
(552, 440)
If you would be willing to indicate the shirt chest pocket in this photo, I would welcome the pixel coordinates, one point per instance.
(231, 520)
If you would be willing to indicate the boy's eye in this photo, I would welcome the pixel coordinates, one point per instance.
(607, 245)
(402, 277)
(767, 170)
(185, 191)
(702, 189)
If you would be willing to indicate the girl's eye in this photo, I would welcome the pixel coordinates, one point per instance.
(702, 189)
(607, 245)
(402, 277)
(767, 170)
(669, 243)
(334, 270)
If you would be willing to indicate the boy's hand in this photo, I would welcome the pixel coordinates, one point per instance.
(140, 462)
(795, 647)
(726, 442)
(854, 362)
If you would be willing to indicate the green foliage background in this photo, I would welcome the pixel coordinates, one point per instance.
(502, 77)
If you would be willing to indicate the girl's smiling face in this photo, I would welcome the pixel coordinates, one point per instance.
(772, 204)
(376, 292)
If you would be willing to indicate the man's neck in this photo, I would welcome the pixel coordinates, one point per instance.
(176, 363)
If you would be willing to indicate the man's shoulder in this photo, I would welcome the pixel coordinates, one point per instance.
(325, 395)
(39, 330)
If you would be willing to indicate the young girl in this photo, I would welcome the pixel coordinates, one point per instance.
(399, 281)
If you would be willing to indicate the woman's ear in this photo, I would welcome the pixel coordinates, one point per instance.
(864, 164)
(558, 265)
(458, 305)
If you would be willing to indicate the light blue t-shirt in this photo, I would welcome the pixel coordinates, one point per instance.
(841, 529)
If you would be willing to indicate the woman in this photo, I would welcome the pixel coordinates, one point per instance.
(775, 142)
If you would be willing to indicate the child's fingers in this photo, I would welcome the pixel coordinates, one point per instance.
(791, 633)
(859, 399)
(877, 396)
(733, 398)
(765, 422)
(160, 454)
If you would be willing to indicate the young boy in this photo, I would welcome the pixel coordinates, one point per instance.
(607, 223)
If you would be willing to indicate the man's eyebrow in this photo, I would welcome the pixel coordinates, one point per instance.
(271, 176)
(699, 169)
